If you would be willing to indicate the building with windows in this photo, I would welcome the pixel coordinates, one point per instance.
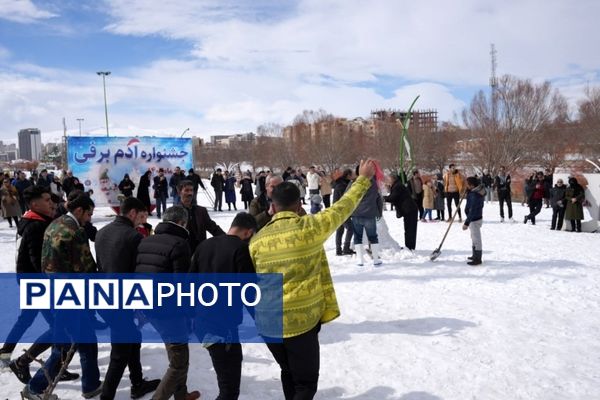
(30, 144)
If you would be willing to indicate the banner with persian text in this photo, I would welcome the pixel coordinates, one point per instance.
(101, 162)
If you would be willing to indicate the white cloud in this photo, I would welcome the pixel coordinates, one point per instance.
(433, 40)
(256, 62)
(23, 11)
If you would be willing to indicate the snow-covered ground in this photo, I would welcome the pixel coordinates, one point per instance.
(524, 325)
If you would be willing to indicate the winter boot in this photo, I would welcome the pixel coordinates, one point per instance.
(472, 254)
(476, 258)
(347, 250)
(338, 251)
(375, 253)
(359, 255)
(141, 389)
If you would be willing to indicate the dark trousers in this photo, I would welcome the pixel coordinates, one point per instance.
(327, 200)
(161, 201)
(440, 215)
(218, 200)
(299, 360)
(505, 197)
(10, 220)
(174, 381)
(410, 230)
(558, 215)
(419, 201)
(24, 321)
(122, 355)
(456, 197)
(576, 225)
(339, 233)
(535, 206)
(227, 362)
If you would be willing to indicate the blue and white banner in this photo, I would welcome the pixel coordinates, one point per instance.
(101, 162)
(148, 308)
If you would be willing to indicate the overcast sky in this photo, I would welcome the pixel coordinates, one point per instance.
(223, 66)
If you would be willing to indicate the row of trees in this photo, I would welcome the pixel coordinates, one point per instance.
(521, 123)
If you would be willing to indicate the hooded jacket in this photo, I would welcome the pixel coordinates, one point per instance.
(30, 236)
(474, 207)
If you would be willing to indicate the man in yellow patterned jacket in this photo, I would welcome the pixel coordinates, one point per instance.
(293, 246)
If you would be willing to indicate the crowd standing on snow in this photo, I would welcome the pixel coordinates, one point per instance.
(54, 228)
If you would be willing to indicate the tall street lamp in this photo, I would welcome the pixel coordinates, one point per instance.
(80, 120)
(104, 74)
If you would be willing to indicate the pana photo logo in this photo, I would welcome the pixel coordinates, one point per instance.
(139, 294)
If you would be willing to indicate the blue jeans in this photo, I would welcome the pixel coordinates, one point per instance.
(88, 352)
(427, 213)
(176, 198)
(369, 225)
(161, 200)
(88, 356)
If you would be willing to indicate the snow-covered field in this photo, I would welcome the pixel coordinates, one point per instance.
(524, 325)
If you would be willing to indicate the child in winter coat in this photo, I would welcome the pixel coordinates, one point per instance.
(474, 216)
(428, 197)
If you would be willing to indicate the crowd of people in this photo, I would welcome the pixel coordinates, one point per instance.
(54, 228)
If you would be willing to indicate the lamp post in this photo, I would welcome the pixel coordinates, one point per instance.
(104, 74)
(184, 132)
(80, 120)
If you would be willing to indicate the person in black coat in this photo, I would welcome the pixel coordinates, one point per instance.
(197, 181)
(218, 184)
(142, 192)
(559, 204)
(406, 208)
(161, 191)
(339, 188)
(227, 254)
(502, 185)
(198, 222)
(126, 186)
(168, 251)
(116, 252)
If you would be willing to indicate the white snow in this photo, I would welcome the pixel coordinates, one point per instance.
(524, 325)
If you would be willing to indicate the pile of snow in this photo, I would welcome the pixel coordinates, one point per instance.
(524, 325)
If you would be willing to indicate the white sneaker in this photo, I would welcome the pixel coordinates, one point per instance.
(501, 219)
(511, 219)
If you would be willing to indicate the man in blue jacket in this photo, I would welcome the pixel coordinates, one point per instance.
(474, 220)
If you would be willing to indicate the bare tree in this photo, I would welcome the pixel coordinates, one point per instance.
(505, 128)
(589, 119)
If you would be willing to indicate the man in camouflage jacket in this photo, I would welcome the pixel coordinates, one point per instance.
(66, 248)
